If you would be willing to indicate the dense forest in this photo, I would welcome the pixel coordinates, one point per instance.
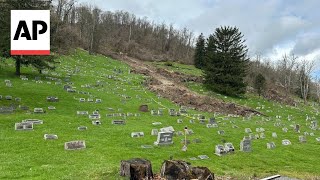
(86, 26)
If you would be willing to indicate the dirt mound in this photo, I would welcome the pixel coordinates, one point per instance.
(276, 96)
(169, 85)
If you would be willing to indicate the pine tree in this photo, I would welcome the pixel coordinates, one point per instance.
(199, 55)
(260, 83)
(39, 62)
(226, 61)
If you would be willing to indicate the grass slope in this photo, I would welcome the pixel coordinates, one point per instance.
(26, 155)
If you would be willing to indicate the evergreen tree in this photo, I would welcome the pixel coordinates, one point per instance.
(226, 61)
(199, 55)
(260, 83)
(39, 62)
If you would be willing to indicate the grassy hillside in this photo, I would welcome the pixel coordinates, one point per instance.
(26, 155)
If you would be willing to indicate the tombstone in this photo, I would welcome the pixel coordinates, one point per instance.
(228, 147)
(94, 116)
(17, 99)
(197, 140)
(302, 139)
(212, 120)
(219, 150)
(167, 129)
(183, 110)
(51, 108)
(96, 122)
(318, 139)
(203, 157)
(245, 145)
(137, 134)
(179, 121)
(160, 112)
(221, 132)
(82, 100)
(6, 110)
(82, 128)
(297, 128)
(311, 134)
(23, 126)
(286, 142)
(146, 146)
(89, 100)
(119, 122)
(38, 110)
(191, 121)
(144, 108)
(271, 145)
(82, 112)
(164, 138)
(314, 125)
(33, 121)
(154, 132)
(285, 129)
(98, 100)
(74, 145)
(247, 130)
(274, 135)
(252, 136)
(262, 135)
(52, 99)
(189, 132)
(202, 121)
(8, 98)
(235, 126)
(50, 136)
(66, 87)
(24, 108)
(305, 133)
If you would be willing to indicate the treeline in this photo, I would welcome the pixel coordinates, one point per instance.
(96, 30)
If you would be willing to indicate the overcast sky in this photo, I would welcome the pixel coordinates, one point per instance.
(271, 27)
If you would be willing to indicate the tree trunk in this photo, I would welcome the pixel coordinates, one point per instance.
(136, 169)
(18, 65)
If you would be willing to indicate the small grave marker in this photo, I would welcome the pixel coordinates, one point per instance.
(23, 126)
(137, 134)
(286, 142)
(219, 150)
(50, 136)
(164, 138)
(74, 145)
(271, 145)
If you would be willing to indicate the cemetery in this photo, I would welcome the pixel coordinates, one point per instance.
(109, 118)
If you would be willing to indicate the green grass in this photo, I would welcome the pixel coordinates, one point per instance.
(26, 155)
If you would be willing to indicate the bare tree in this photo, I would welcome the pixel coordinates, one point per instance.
(305, 70)
(287, 66)
(317, 83)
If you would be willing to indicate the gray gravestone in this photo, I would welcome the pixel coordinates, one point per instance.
(248, 130)
(286, 142)
(229, 148)
(74, 145)
(274, 135)
(221, 132)
(164, 138)
(38, 110)
(271, 145)
(154, 132)
(52, 99)
(96, 122)
(137, 134)
(119, 122)
(51, 108)
(82, 128)
(23, 126)
(245, 145)
(203, 157)
(179, 121)
(82, 112)
(302, 139)
(33, 121)
(219, 150)
(50, 136)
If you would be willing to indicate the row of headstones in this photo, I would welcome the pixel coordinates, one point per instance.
(96, 115)
(9, 98)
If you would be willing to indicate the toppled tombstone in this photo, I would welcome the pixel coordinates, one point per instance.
(52, 99)
(136, 169)
(23, 126)
(177, 169)
(50, 136)
(219, 150)
(119, 122)
(137, 134)
(82, 128)
(144, 108)
(74, 145)
(33, 121)
(38, 110)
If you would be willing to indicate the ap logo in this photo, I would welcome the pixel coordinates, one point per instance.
(30, 32)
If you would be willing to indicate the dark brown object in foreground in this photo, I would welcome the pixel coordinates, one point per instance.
(176, 169)
(136, 169)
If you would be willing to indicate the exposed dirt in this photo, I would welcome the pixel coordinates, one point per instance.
(170, 85)
(276, 96)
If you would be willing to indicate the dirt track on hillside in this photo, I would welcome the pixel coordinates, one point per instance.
(170, 85)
